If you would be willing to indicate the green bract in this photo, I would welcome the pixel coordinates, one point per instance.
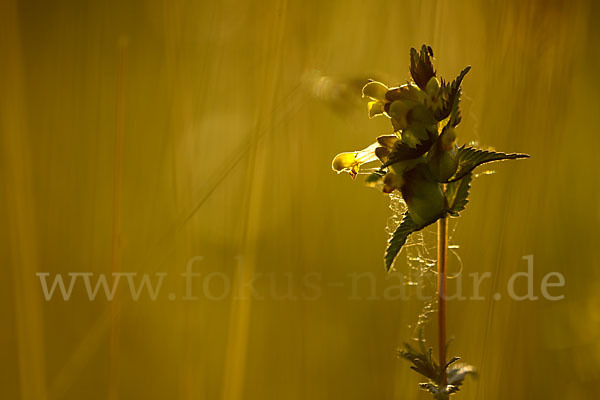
(442, 158)
(420, 157)
(423, 195)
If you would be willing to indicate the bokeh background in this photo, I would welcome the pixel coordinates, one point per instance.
(137, 135)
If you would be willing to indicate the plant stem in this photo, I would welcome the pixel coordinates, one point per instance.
(442, 259)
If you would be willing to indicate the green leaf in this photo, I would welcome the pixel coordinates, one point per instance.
(421, 67)
(455, 116)
(424, 364)
(457, 193)
(402, 151)
(406, 227)
(422, 361)
(457, 373)
(452, 361)
(470, 157)
(450, 93)
(412, 137)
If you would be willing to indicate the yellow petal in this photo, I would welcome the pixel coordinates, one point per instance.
(375, 90)
(344, 161)
(375, 108)
(408, 92)
(368, 154)
(351, 161)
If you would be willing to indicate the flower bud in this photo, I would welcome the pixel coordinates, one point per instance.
(448, 138)
(433, 86)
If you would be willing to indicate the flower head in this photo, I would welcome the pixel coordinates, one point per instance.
(420, 159)
(351, 161)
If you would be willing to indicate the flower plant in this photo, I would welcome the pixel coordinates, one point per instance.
(420, 159)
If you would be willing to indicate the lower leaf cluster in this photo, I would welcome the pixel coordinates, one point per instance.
(442, 382)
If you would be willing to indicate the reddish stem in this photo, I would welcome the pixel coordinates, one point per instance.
(442, 258)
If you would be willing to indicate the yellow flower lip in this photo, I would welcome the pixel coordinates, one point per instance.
(375, 91)
(351, 161)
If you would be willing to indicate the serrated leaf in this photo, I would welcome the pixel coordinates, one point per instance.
(421, 67)
(455, 116)
(457, 193)
(452, 361)
(430, 388)
(450, 93)
(421, 363)
(406, 227)
(402, 152)
(424, 364)
(470, 157)
(457, 374)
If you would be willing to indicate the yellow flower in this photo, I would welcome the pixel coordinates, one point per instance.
(351, 161)
(376, 92)
(386, 146)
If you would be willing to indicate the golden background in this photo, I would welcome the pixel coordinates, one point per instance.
(137, 135)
